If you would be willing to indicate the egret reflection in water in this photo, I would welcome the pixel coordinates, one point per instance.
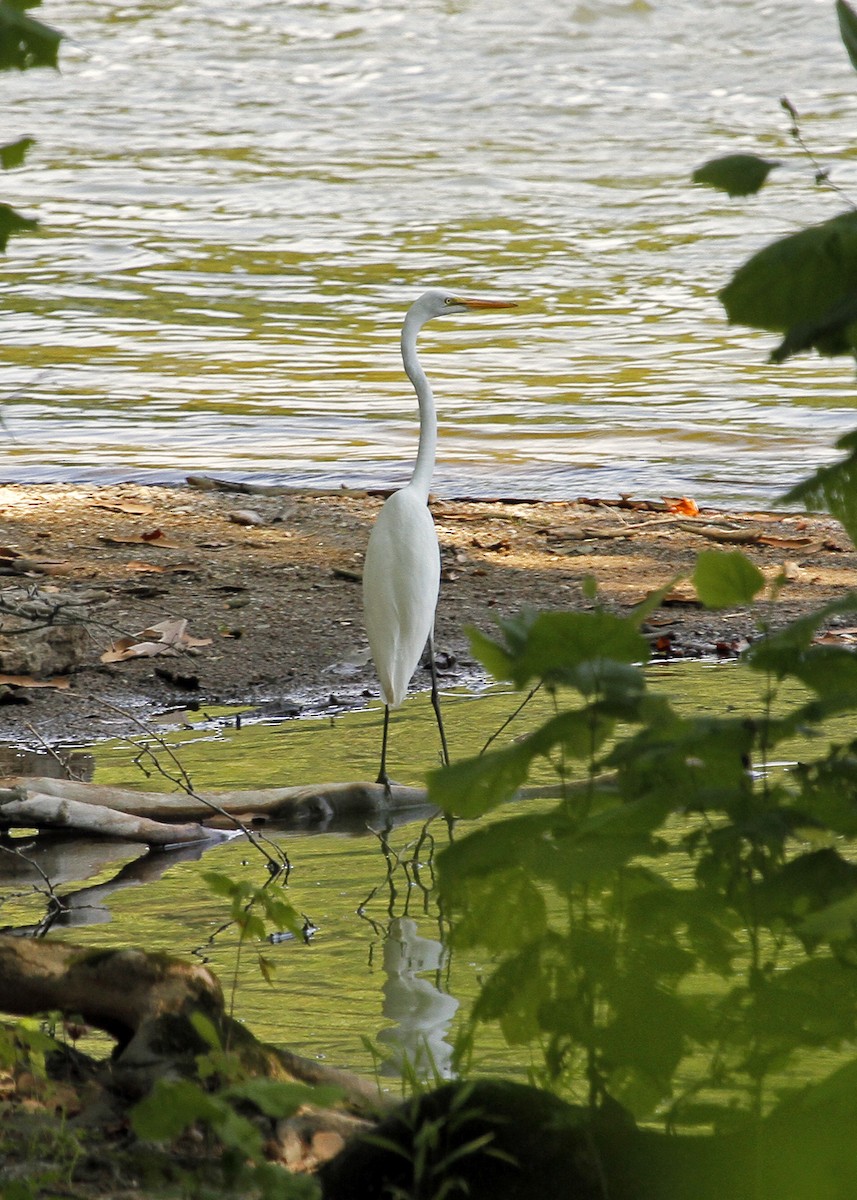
(421, 1012)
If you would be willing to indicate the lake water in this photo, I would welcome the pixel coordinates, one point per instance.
(238, 202)
(378, 966)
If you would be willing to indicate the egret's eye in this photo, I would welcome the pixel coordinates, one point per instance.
(449, 300)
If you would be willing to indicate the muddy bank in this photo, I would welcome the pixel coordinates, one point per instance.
(258, 595)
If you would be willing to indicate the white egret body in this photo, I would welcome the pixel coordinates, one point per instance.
(401, 572)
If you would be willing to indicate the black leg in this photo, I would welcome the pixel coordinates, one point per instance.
(383, 777)
(435, 702)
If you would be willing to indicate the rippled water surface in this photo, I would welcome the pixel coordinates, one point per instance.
(239, 201)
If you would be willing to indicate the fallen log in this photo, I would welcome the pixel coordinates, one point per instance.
(53, 812)
(180, 818)
(146, 1002)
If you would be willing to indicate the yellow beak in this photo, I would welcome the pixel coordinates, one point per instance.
(476, 302)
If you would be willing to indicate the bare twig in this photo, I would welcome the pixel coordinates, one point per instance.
(277, 863)
(822, 173)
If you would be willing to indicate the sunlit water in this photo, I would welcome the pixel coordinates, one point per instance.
(239, 201)
(375, 968)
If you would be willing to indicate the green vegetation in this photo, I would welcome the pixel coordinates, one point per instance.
(24, 43)
(675, 936)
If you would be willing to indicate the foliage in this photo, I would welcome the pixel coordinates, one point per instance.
(803, 286)
(735, 174)
(223, 1104)
(677, 933)
(24, 43)
(52, 1149)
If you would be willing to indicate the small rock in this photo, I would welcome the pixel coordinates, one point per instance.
(246, 516)
(41, 653)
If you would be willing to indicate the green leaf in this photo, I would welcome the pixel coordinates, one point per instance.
(25, 42)
(736, 174)
(848, 29)
(835, 924)
(207, 1030)
(276, 1098)
(513, 996)
(491, 654)
(831, 489)
(501, 912)
(782, 651)
(171, 1106)
(13, 153)
(724, 579)
(554, 645)
(476, 785)
(12, 222)
(497, 847)
(803, 285)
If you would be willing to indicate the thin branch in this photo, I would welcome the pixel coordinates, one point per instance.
(822, 173)
(278, 862)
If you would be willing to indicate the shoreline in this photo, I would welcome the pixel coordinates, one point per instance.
(267, 580)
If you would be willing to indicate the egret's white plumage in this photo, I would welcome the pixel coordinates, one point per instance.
(401, 573)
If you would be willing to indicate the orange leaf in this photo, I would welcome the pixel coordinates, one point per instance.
(681, 505)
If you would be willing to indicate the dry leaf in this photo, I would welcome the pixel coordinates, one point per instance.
(167, 637)
(135, 565)
(25, 681)
(683, 593)
(837, 637)
(127, 507)
(788, 543)
(681, 505)
(155, 537)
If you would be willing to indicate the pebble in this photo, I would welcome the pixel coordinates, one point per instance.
(246, 516)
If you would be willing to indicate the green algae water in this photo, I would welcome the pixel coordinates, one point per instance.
(374, 967)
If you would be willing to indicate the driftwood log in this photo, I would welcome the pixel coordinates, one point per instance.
(169, 819)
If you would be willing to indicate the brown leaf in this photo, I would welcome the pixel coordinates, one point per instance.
(167, 637)
(125, 506)
(60, 682)
(683, 593)
(155, 537)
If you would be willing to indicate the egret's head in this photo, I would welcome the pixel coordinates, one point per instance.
(438, 301)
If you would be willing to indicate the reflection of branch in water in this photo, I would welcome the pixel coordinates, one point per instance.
(415, 861)
(54, 903)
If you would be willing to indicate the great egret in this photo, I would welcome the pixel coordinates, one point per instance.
(401, 572)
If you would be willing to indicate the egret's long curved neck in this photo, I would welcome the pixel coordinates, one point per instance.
(424, 469)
